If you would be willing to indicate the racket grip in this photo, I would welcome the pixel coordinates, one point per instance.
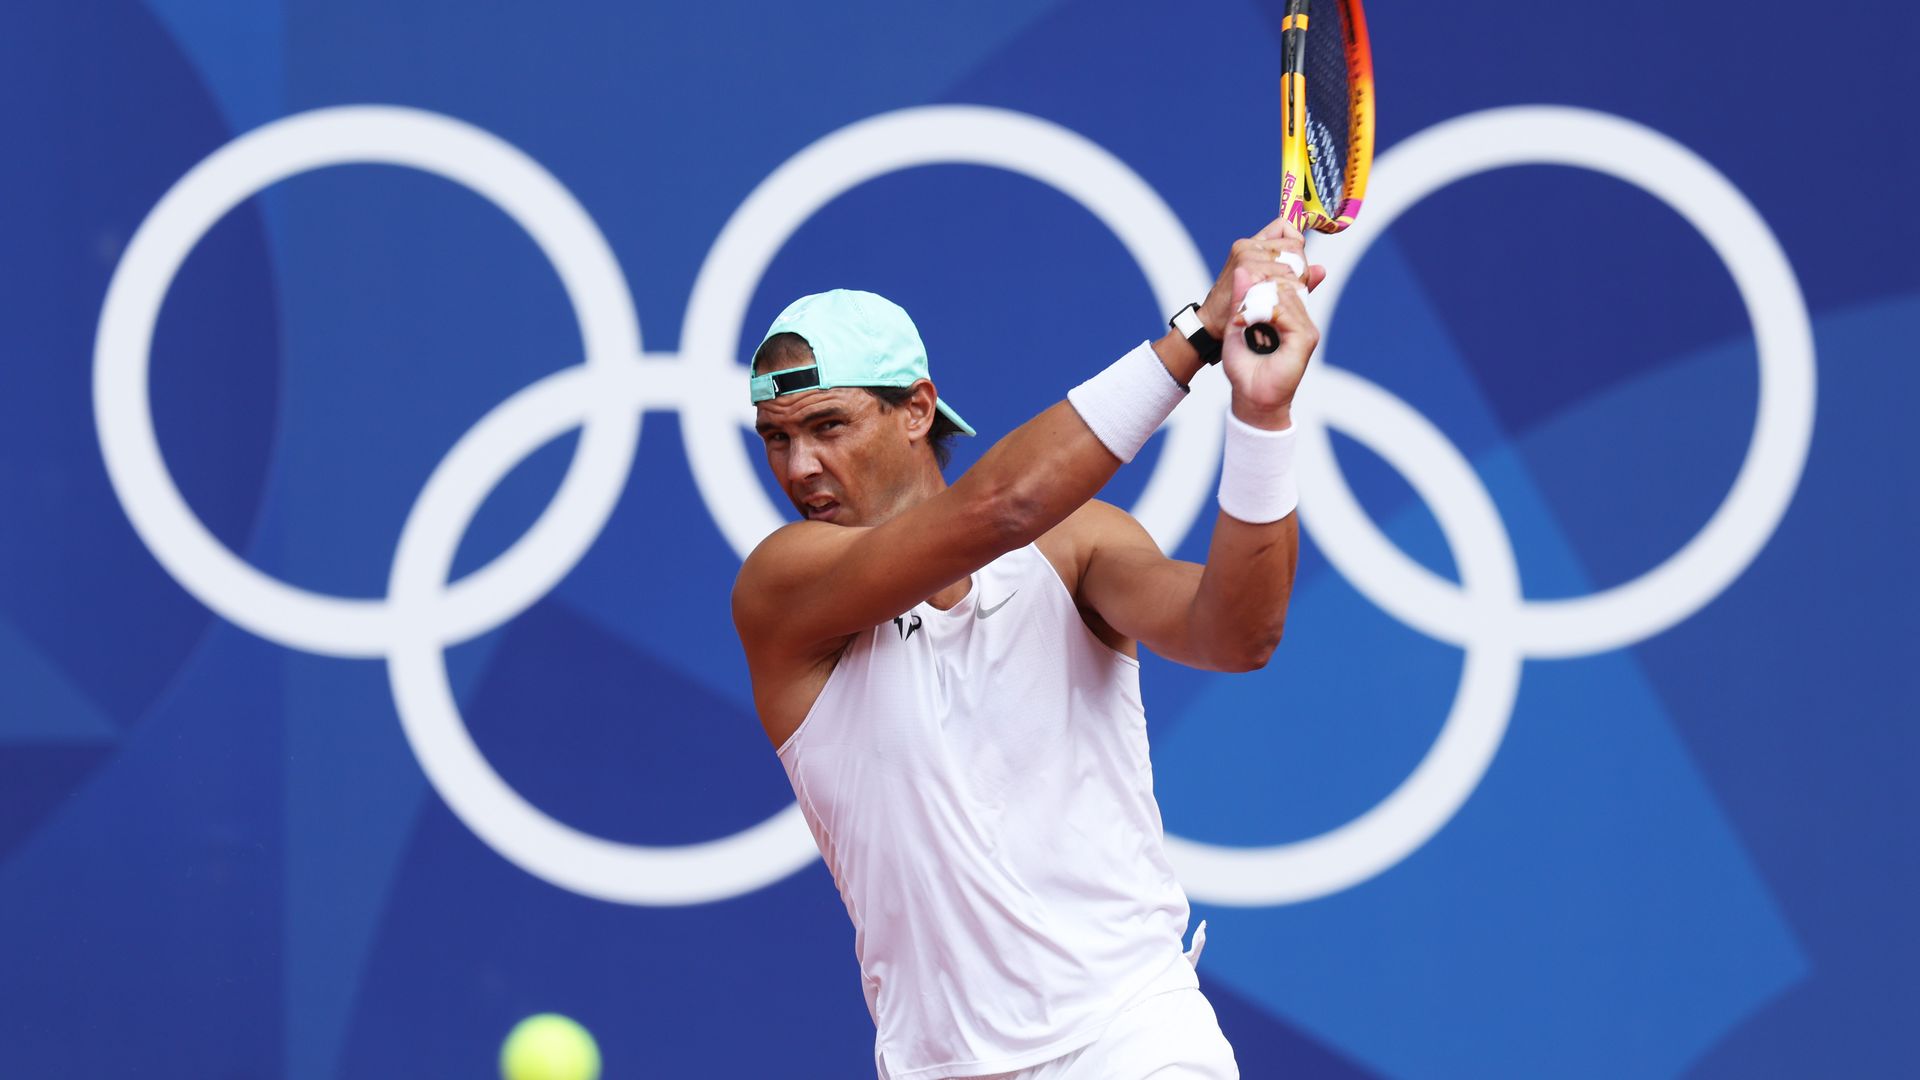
(1258, 306)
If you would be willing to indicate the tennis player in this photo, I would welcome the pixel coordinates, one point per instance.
(949, 673)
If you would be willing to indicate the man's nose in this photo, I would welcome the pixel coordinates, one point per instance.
(802, 462)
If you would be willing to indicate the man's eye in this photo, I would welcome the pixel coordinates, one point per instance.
(828, 425)
(774, 437)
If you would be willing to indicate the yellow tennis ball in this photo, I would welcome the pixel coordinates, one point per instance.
(549, 1047)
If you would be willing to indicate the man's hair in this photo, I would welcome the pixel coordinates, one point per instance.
(789, 350)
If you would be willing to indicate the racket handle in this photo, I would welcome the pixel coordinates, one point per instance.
(1262, 338)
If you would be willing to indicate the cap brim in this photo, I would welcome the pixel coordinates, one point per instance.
(947, 411)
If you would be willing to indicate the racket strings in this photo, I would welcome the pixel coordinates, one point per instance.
(1329, 104)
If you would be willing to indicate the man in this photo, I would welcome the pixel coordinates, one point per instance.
(949, 673)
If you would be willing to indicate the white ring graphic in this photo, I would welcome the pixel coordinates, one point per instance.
(603, 306)
(547, 848)
(1783, 426)
(1500, 623)
(422, 615)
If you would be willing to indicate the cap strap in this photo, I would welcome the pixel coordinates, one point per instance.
(792, 380)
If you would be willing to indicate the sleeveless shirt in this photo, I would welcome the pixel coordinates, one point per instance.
(977, 781)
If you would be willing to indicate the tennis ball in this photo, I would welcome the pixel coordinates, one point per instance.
(549, 1047)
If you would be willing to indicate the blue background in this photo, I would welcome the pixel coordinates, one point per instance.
(219, 858)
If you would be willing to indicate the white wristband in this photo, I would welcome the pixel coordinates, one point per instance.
(1125, 404)
(1256, 473)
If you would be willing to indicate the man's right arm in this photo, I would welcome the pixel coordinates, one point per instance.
(813, 582)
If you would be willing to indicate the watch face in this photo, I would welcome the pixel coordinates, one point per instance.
(1188, 323)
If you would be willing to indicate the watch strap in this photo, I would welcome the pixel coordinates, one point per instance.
(1186, 322)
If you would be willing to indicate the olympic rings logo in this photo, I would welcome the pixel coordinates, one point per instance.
(423, 614)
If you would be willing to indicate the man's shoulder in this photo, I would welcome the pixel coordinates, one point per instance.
(1072, 543)
(785, 555)
(777, 551)
(1095, 521)
(772, 557)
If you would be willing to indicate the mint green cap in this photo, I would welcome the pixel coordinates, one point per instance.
(858, 339)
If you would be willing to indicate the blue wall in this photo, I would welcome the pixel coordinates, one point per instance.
(1669, 825)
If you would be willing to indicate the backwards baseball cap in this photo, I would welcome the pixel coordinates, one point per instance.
(858, 339)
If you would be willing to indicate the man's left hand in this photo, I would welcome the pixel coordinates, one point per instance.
(1277, 251)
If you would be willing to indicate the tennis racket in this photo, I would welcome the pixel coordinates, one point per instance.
(1326, 143)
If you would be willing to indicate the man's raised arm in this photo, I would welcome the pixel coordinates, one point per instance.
(1227, 616)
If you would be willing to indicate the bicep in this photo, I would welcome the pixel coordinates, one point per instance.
(1139, 591)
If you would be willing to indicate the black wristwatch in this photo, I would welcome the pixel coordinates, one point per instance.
(1187, 323)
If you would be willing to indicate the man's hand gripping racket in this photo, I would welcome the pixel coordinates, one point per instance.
(1269, 296)
(1270, 279)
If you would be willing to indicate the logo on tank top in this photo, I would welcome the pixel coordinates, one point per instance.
(987, 612)
(906, 627)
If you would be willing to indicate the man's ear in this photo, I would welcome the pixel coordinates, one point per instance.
(920, 409)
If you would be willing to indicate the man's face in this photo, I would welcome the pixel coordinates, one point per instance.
(839, 454)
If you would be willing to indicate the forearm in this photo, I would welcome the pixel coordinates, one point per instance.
(1240, 607)
(1037, 474)
(1049, 467)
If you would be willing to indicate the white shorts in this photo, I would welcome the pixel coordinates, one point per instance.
(1169, 1036)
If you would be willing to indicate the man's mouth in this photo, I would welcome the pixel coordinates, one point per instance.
(820, 509)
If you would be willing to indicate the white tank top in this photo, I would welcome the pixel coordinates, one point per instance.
(977, 780)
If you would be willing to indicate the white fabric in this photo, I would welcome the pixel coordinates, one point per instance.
(1257, 484)
(977, 781)
(1126, 403)
(1170, 1036)
(1199, 944)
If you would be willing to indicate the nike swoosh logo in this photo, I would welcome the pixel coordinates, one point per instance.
(986, 612)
